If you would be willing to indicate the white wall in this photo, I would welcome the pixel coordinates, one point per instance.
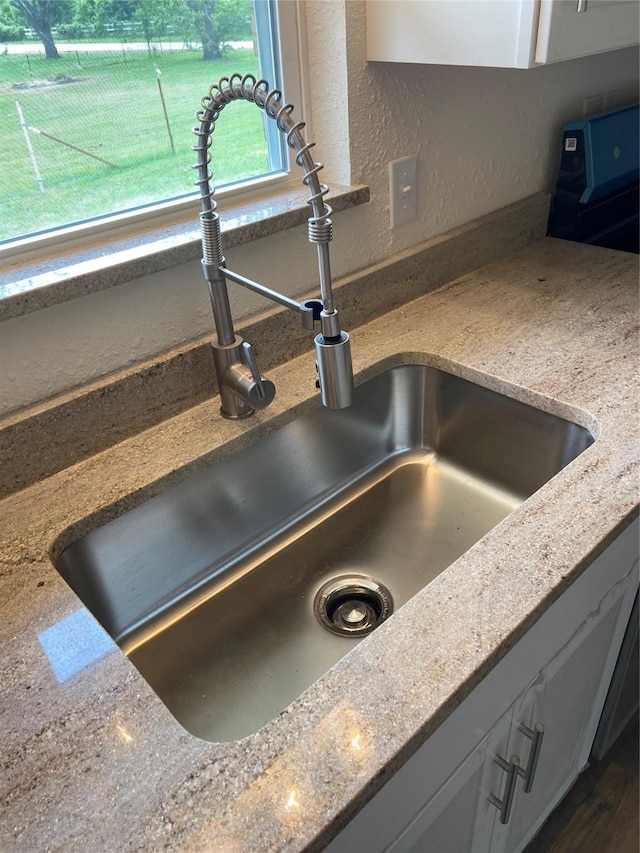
(485, 138)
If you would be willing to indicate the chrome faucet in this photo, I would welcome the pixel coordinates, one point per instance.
(243, 389)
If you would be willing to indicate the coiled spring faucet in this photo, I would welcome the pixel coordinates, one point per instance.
(243, 389)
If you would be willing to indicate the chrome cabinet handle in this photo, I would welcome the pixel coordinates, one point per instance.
(535, 735)
(582, 6)
(503, 805)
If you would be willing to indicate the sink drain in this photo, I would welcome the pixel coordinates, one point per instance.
(352, 605)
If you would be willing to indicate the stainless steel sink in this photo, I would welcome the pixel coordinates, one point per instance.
(222, 590)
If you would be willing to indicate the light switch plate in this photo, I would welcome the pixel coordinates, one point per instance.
(403, 190)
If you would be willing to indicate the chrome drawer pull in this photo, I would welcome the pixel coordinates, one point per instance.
(504, 805)
(535, 735)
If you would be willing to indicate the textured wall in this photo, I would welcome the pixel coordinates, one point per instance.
(485, 138)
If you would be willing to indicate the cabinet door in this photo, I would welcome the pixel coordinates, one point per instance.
(498, 33)
(567, 699)
(572, 28)
(460, 817)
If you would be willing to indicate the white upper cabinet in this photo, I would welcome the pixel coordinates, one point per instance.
(498, 33)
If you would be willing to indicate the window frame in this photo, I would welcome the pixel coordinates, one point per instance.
(288, 17)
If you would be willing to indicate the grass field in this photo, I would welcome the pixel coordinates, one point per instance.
(112, 109)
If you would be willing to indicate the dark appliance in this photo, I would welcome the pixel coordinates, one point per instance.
(596, 195)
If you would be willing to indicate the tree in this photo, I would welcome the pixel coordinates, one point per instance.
(40, 15)
(157, 17)
(11, 23)
(88, 15)
(216, 20)
(233, 20)
(204, 24)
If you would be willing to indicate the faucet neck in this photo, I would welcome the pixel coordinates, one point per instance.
(247, 88)
(242, 387)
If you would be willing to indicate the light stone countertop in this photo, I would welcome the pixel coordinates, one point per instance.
(96, 762)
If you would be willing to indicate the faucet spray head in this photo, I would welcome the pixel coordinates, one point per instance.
(335, 375)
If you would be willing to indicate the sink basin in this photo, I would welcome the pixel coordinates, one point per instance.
(236, 589)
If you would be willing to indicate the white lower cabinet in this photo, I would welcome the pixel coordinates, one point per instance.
(491, 774)
(567, 699)
(461, 815)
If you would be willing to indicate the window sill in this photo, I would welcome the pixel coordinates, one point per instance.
(33, 285)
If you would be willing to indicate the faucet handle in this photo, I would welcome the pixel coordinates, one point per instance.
(254, 388)
(253, 367)
(242, 387)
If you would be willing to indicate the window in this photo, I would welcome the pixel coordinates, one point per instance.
(104, 129)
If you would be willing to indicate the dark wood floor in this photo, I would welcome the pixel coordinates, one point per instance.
(600, 814)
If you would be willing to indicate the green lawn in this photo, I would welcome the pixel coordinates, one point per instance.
(113, 110)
